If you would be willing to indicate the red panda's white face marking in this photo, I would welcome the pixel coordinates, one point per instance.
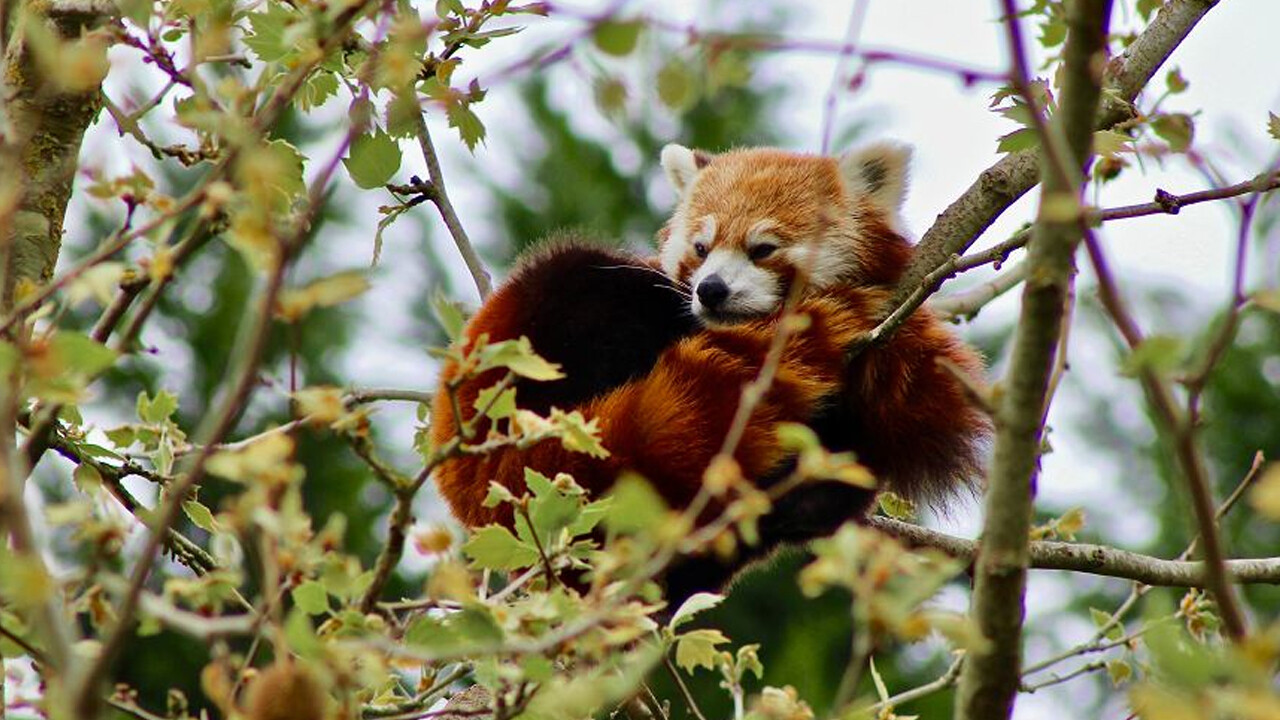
(749, 222)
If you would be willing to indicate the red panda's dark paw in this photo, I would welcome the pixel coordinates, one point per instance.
(603, 315)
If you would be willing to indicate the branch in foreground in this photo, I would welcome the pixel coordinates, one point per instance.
(989, 680)
(1094, 559)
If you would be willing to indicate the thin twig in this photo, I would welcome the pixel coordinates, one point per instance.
(689, 700)
(967, 304)
(942, 682)
(440, 198)
(857, 14)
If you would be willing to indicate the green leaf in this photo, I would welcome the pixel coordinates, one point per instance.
(675, 84)
(450, 316)
(578, 433)
(267, 40)
(635, 506)
(795, 437)
(1110, 142)
(617, 37)
(300, 634)
(81, 355)
(311, 598)
(325, 292)
(138, 11)
(697, 648)
(494, 547)
(155, 411)
(1267, 300)
(471, 627)
(550, 509)
(373, 160)
(402, 115)
(1273, 125)
(446, 7)
(1175, 82)
(122, 437)
(519, 357)
(496, 405)
(498, 494)
(1160, 354)
(698, 602)
(610, 95)
(1178, 657)
(1146, 7)
(316, 90)
(896, 506)
(1100, 618)
(200, 515)
(1017, 140)
(1177, 129)
(1053, 32)
(1119, 671)
(86, 477)
(468, 124)
(730, 68)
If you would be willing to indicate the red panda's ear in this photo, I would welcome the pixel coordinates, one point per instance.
(682, 165)
(879, 173)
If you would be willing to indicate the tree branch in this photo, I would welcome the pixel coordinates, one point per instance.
(41, 144)
(440, 198)
(1092, 559)
(989, 681)
(1004, 182)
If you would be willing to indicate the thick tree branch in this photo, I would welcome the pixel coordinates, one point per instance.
(1001, 184)
(989, 681)
(47, 117)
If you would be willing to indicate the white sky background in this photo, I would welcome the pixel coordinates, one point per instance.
(1229, 60)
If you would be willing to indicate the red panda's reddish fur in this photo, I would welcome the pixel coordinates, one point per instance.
(915, 419)
(905, 414)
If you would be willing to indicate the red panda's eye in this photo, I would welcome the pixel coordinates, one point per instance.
(762, 251)
(700, 249)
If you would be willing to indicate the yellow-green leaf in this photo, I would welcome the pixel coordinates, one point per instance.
(675, 84)
(200, 515)
(697, 648)
(1265, 495)
(373, 160)
(617, 37)
(698, 602)
(311, 598)
(494, 547)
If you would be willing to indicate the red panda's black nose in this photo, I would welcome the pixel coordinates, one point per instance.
(713, 291)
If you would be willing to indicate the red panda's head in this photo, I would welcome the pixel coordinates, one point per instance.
(750, 222)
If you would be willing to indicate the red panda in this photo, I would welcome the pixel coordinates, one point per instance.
(659, 358)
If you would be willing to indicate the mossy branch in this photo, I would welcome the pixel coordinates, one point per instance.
(44, 124)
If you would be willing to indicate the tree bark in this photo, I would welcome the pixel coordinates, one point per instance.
(989, 680)
(43, 125)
